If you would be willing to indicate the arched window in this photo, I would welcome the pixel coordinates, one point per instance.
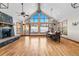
(39, 23)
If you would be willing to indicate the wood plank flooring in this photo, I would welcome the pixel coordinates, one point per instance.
(40, 46)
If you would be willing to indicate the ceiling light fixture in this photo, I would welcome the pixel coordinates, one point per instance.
(75, 23)
(4, 5)
(75, 5)
(23, 13)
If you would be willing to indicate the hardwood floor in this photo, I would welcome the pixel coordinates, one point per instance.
(40, 46)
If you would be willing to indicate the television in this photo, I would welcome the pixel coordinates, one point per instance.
(6, 33)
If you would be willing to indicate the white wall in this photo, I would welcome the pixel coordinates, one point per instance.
(73, 31)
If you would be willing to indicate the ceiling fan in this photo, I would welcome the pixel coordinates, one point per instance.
(23, 13)
(75, 5)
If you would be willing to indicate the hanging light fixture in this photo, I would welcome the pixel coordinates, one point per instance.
(23, 13)
(75, 5)
(4, 5)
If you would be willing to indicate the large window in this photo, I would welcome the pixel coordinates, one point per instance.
(43, 20)
(39, 23)
(43, 27)
(63, 27)
(34, 20)
(34, 28)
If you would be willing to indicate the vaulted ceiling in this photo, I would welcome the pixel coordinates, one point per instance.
(60, 11)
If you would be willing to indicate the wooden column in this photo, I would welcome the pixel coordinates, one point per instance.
(24, 25)
(18, 26)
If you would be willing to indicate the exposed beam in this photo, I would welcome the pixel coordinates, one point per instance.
(39, 7)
